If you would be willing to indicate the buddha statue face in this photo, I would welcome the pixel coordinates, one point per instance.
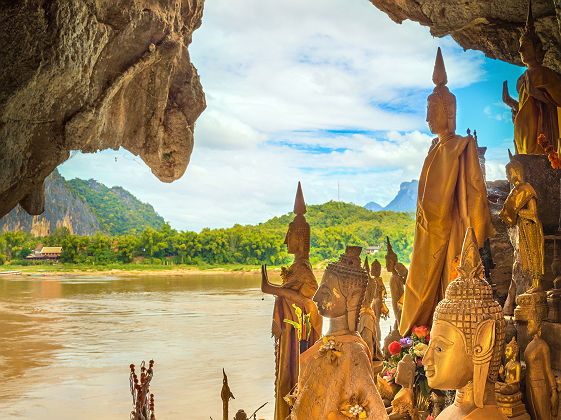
(447, 353)
(391, 260)
(329, 298)
(297, 238)
(533, 327)
(437, 118)
(514, 172)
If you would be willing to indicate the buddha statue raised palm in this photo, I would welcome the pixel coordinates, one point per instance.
(452, 196)
(467, 339)
(298, 287)
(509, 397)
(336, 380)
(539, 89)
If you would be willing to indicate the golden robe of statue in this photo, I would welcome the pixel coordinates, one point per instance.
(452, 196)
(298, 287)
(539, 97)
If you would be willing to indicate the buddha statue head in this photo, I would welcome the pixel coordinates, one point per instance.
(343, 287)
(441, 103)
(391, 257)
(514, 170)
(297, 238)
(531, 47)
(468, 331)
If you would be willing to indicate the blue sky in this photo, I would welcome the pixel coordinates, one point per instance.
(325, 92)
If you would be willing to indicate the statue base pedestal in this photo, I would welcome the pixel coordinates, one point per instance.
(512, 406)
(529, 305)
(554, 304)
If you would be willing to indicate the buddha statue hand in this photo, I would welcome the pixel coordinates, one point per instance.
(509, 100)
(554, 402)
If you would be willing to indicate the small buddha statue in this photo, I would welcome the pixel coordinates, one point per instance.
(404, 400)
(336, 381)
(368, 324)
(381, 311)
(298, 287)
(467, 339)
(520, 209)
(541, 388)
(509, 397)
(397, 281)
(452, 196)
(539, 96)
(554, 296)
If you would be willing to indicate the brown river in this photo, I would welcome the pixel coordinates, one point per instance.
(66, 343)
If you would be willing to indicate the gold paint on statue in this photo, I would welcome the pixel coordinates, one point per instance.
(520, 209)
(336, 380)
(298, 287)
(397, 281)
(452, 196)
(509, 397)
(467, 339)
(541, 391)
(539, 88)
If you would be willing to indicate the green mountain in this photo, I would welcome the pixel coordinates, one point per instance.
(117, 210)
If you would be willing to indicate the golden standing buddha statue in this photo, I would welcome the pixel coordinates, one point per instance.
(539, 88)
(520, 209)
(397, 281)
(452, 196)
(336, 380)
(541, 390)
(467, 339)
(298, 287)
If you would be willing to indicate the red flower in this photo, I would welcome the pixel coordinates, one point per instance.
(394, 347)
(420, 331)
(427, 338)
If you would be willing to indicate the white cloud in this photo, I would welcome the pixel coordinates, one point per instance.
(495, 170)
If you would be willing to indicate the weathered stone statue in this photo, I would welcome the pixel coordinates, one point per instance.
(467, 340)
(336, 380)
(404, 400)
(298, 287)
(368, 324)
(541, 391)
(539, 91)
(452, 196)
(520, 209)
(379, 304)
(397, 281)
(225, 395)
(509, 397)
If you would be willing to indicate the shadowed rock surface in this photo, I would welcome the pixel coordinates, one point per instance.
(491, 26)
(90, 75)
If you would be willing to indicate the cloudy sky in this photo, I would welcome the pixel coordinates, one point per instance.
(328, 92)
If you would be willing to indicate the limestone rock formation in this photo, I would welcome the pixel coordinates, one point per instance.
(94, 74)
(62, 209)
(491, 26)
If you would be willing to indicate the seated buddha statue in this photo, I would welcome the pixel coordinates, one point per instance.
(298, 287)
(539, 96)
(509, 397)
(336, 381)
(467, 339)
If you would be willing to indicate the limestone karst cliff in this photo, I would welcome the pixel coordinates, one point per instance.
(491, 26)
(63, 208)
(94, 74)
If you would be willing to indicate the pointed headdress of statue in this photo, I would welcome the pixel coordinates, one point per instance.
(441, 93)
(469, 306)
(515, 168)
(390, 249)
(529, 34)
(299, 226)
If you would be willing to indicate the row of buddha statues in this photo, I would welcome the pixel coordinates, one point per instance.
(339, 374)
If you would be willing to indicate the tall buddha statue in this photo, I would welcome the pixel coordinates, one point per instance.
(381, 311)
(539, 96)
(397, 281)
(541, 389)
(452, 196)
(520, 209)
(368, 324)
(336, 380)
(298, 287)
(467, 339)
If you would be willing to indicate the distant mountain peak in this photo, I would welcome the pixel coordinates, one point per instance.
(405, 199)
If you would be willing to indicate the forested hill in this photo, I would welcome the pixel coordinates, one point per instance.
(116, 209)
(336, 224)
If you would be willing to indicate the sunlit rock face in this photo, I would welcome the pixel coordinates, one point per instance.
(94, 74)
(491, 26)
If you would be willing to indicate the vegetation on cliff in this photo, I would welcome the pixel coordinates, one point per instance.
(334, 225)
